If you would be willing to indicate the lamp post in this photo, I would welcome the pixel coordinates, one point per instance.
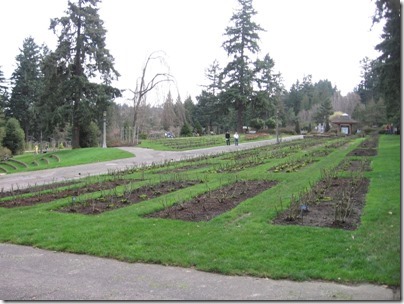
(277, 130)
(104, 134)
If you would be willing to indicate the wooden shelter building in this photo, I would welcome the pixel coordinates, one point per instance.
(345, 124)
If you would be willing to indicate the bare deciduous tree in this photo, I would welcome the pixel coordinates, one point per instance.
(143, 87)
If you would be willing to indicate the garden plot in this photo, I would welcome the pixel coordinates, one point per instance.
(13, 200)
(213, 203)
(35, 188)
(355, 165)
(367, 147)
(333, 202)
(293, 166)
(126, 198)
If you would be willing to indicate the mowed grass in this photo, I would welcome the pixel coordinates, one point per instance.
(242, 241)
(62, 158)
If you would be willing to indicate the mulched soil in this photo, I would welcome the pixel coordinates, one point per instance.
(36, 188)
(209, 205)
(182, 169)
(322, 208)
(363, 152)
(370, 143)
(367, 147)
(18, 201)
(112, 202)
(354, 165)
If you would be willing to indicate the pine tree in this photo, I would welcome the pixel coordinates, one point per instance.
(82, 55)
(168, 115)
(27, 87)
(241, 44)
(323, 114)
(14, 136)
(388, 66)
(3, 100)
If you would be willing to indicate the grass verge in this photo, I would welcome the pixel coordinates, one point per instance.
(62, 158)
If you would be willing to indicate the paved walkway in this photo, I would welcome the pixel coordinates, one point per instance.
(28, 273)
(35, 274)
(142, 157)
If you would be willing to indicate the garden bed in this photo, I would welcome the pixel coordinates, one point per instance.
(209, 205)
(39, 198)
(127, 198)
(363, 152)
(335, 203)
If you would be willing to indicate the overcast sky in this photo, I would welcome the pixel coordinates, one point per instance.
(324, 38)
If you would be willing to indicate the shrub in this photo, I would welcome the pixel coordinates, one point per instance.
(89, 135)
(257, 123)
(287, 130)
(5, 153)
(14, 137)
(186, 130)
(270, 123)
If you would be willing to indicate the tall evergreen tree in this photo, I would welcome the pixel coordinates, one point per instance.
(82, 54)
(388, 65)
(168, 115)
(323, 113)
(3, 90)
(269, 87)
(210, 108)
(241, 44)
(179, 110)
(367, 89)
(189, 110)
(27, 87)
(3, 100)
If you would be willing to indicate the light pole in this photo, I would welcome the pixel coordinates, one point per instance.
(104, 134)
(277, 130)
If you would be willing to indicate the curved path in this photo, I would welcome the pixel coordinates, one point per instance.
(142, 157)
(34, 274)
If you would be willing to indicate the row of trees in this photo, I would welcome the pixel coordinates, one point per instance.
(66, 89)
(63, 93)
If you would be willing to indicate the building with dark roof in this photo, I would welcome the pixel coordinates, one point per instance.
(345, 124)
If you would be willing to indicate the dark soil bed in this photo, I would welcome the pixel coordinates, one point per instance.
(36, 188)
(112, 202)
(372, 142)
(292, 166)
(321, 206)
(182, 169)
(58, 194)
(209, 205)
(363, 152)
(354, 165)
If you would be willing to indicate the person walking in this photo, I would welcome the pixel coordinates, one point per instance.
(227, 136)
(236, 139)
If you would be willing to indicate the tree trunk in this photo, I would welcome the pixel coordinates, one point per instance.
(77, 96)
(75, 128)
(240, 114)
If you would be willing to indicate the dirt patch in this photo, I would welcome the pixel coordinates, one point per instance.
(182, 169)
(127, 198)
(209, 205)
(292, 166)
(363, 152)
(36, 188)
(371, 143)
(335, 203)
(39, 198)
(354, 165)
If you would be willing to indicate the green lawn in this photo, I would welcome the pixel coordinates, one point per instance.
(61, 158)
(242, 241)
